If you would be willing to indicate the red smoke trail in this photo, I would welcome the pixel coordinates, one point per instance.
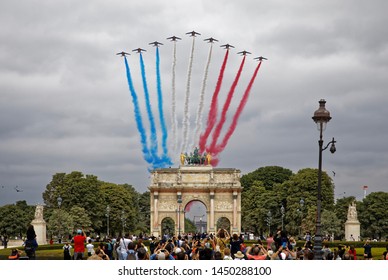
(225, 109)
(188, 206)
(232, 127)
(212, 116)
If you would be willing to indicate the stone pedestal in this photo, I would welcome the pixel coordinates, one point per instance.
(352, 230)
(40, 226)
(352, 225)
(40, 230)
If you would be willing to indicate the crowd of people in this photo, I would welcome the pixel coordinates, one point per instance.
(219, 246)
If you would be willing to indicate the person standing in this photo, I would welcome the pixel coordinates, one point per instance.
(222, 239)
(30, 244)
(66, 251)
(367, 250)
(235, 244)
(90, 248)
(352, 252)
(269, 241)
(79, 244)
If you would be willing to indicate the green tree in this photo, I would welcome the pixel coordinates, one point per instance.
(123, 204)
(60, 224)
(80, 219)
(190, 226)
(256, 203)
(143, 224)
(75, 189)
(269, 175)
(331, 225)
(303, 185)
(373, 215)
(15, 218)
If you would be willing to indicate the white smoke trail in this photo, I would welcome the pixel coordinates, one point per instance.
(174, 120)
(186, 117)
(198, 120)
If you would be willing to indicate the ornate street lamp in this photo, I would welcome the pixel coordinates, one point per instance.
(301, 203)
(321, 118)
(59, 201)
(269, 221)
(123, 220)
(107, 219)
(282, 210)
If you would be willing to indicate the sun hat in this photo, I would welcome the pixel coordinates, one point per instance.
(239, 255)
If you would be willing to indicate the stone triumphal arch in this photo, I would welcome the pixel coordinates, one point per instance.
(219, 189)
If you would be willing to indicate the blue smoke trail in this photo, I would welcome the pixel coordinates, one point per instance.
(139, 123)
(154, 142)
(165, 157)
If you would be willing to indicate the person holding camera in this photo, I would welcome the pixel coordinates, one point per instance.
(161, 253)
(221, 240)
(257, 252)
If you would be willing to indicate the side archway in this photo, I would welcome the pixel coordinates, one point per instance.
(224, 223)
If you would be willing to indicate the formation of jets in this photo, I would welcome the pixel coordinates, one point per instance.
(192, 34)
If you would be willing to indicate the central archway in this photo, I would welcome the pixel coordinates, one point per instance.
(195, 217)
(218, 189)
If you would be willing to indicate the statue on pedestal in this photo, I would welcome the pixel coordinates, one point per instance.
(352, 225)
(39, 225)
(352, 212)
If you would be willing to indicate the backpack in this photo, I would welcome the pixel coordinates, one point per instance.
(29, 246)
(66, 251)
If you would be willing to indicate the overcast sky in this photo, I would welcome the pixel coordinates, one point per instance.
(65, 103)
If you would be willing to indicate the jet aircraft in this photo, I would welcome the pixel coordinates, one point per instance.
(244, 53)
(156, 44)
(227, 46)
(193, 33)
(211, 40)
(122, 53)
(139, 50)
(260, 58)
(173, 38)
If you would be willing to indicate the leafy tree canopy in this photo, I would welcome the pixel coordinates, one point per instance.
(269, 175)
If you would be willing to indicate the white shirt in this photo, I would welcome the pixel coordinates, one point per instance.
(124, 244)
(90, 248)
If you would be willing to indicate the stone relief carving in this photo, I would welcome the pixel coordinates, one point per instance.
(223, 205)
